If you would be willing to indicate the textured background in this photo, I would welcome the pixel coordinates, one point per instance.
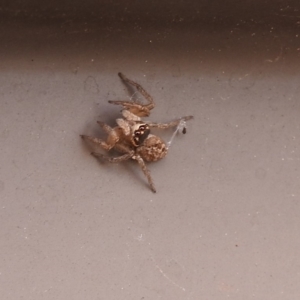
(225, 220)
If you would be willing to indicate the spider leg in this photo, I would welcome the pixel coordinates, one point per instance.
(137, 109)
(112, 138)
(170, 124)
(105, 127)
(124, 149)
(110, 159)
(97, 142)
(145, 171)
(140, 89)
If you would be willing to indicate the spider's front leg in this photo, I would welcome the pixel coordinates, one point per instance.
(112, 138)
(128, 153)
(172, 123)
(135, 108)
(145, 171)
(139, 88)
(97, 142)
(110, 159)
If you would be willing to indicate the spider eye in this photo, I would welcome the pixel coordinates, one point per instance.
(140, 135)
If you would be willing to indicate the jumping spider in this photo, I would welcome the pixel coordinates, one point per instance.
(132, 137)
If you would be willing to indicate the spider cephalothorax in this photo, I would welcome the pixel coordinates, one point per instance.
(135, 131)
(133, 136)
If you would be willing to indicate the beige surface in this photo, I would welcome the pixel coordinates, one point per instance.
(225, 220)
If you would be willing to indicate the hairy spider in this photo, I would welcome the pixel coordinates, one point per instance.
(132, 137)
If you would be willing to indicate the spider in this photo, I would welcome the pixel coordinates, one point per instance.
(132, 136)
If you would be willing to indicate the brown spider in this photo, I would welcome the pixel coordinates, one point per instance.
(132, 136)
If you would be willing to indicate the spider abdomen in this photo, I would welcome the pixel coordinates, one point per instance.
(153, 148)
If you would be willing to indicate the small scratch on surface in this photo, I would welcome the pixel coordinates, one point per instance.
(166, 276)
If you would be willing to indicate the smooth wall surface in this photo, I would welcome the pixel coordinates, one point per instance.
(225, 220)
